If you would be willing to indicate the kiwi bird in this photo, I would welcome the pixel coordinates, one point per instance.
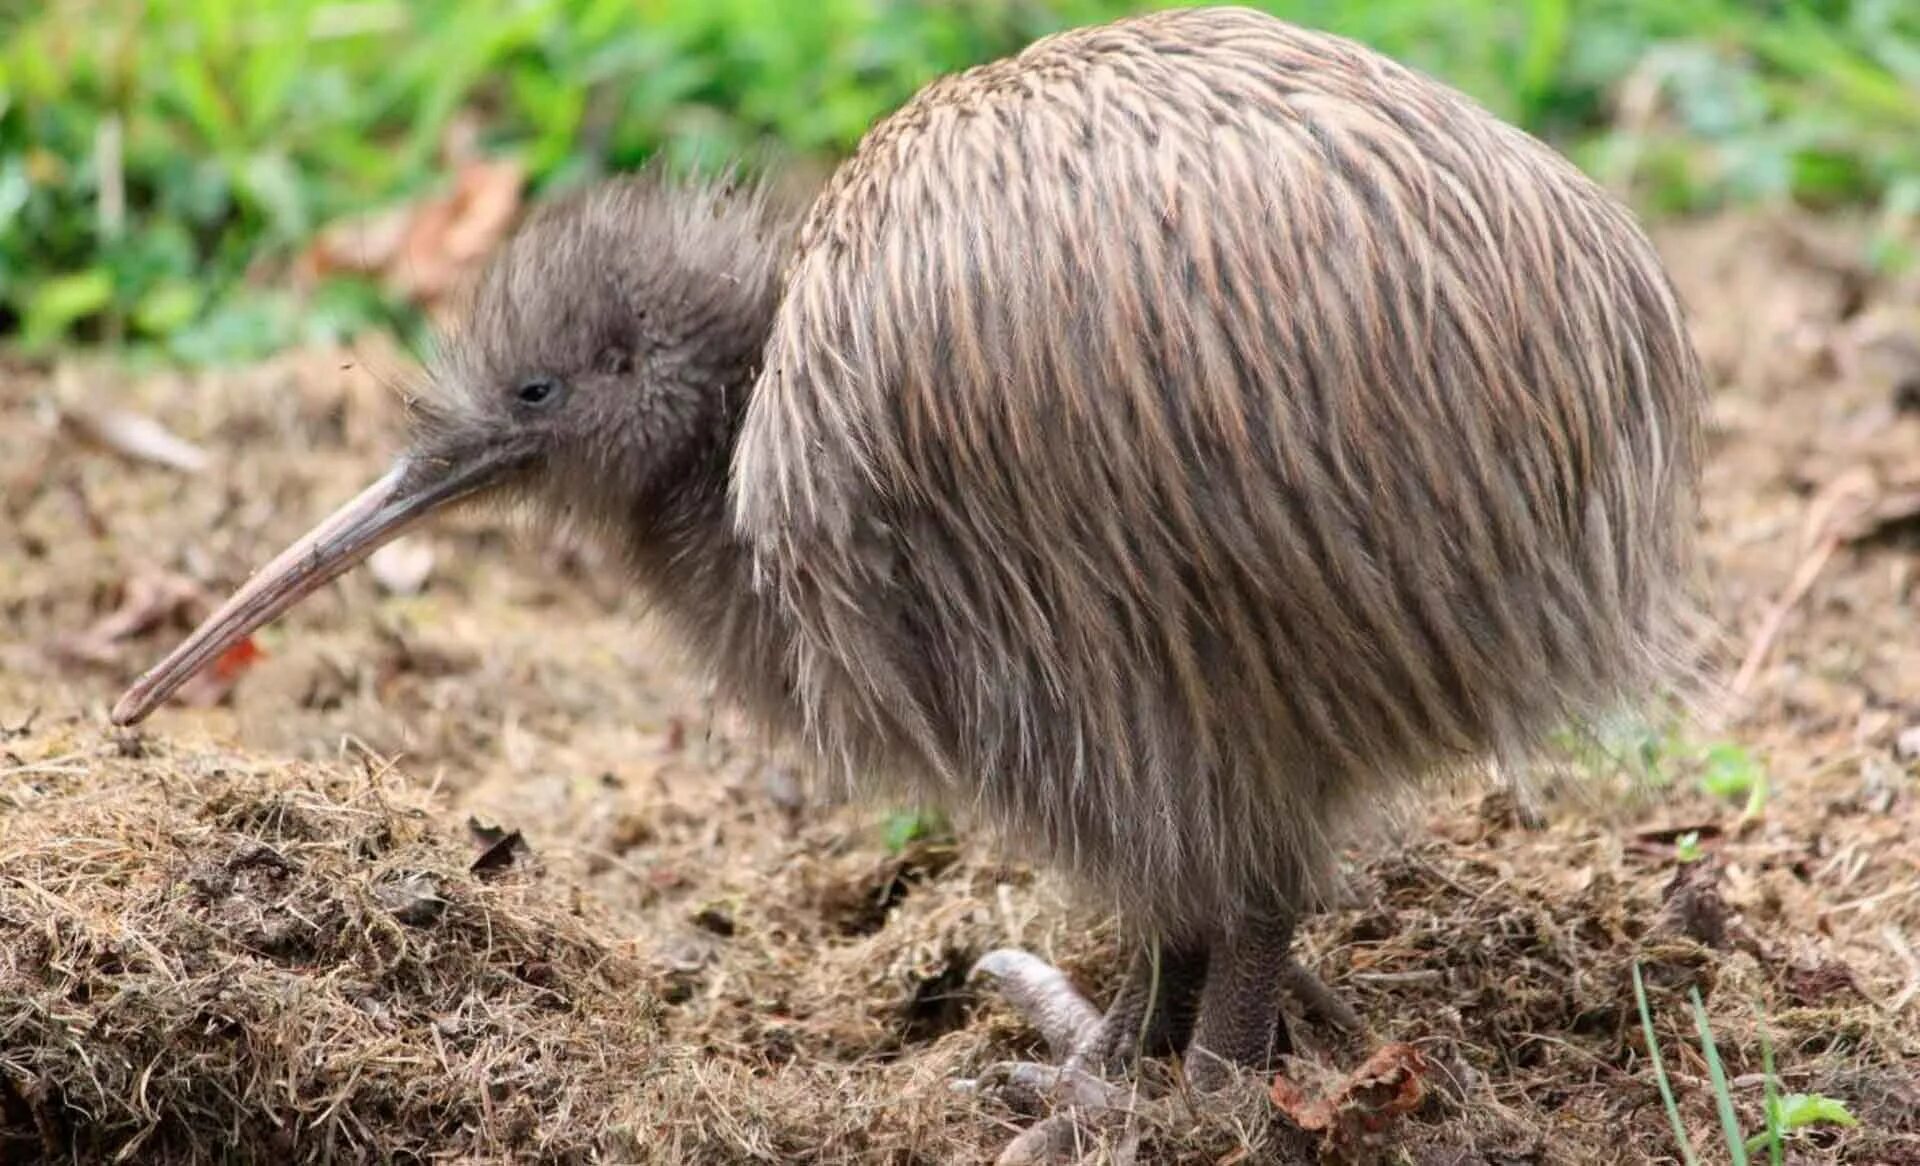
(1166, 446)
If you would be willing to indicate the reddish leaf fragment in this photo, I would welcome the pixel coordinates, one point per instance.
(211, 686)
(237, 659)
(1388, 1086)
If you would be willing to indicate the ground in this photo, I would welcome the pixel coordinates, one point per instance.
(693, 959)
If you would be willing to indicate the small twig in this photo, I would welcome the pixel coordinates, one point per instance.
(1829, 518)
(1898, 942)
(1877, 897)
(1397, 979)
(50, 765)
(1776, 620)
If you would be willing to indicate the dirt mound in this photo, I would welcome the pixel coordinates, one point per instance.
(294, 962)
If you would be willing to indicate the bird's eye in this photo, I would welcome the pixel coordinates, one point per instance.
(538, 392)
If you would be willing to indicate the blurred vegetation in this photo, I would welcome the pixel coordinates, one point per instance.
(153, 154)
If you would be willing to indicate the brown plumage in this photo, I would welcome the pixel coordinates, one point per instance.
(1167, 445)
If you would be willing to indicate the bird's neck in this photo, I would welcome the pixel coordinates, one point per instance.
(683, 546)
(698, 575)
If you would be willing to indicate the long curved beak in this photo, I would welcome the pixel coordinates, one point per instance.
(403, 496)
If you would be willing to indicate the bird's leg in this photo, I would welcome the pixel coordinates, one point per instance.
(1240, 1025)
(1154, 1011)
(1218, 1002)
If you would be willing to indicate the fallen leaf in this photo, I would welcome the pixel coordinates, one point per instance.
(136, 436)
(422, 250)
(364, 244)
(484, 834)
(211, 685)
(449, 236)
(501, 847)
(413, 899)
(401, 567)
(1388, 1085)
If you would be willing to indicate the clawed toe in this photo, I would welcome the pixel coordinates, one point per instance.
(1034, 1088)
(1318, 1001)
(1081, 1111)
(1043, 995)
(1072, 1137)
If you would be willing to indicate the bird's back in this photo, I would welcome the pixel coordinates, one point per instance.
(1194, 426)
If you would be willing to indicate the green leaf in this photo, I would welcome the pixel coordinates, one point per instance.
(1798, 1111)
(1729, 772)
(1686, 848)
(167, 307)
(906, 827)
(59, 303)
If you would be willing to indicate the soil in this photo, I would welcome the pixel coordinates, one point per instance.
(738, 971)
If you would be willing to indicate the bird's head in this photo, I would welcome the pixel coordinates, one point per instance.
(601, 364)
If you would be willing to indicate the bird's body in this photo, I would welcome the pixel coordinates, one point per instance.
(1184, 432)
(1166, 444)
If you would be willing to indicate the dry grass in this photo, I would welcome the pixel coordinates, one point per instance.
(296, 962)
(202, 949)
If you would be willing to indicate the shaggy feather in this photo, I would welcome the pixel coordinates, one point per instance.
(1170, 445)
(1194, 429)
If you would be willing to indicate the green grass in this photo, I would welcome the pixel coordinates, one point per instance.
(236, 128)
(1782, 1117)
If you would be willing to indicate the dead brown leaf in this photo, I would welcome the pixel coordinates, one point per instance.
(1389, 1085)
(424, 249)
(149, 599)
(135, 436)
(501, 847)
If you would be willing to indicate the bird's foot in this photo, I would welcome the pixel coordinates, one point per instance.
(1153, 1013)
(1078, 1034)
(1083, 1109)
